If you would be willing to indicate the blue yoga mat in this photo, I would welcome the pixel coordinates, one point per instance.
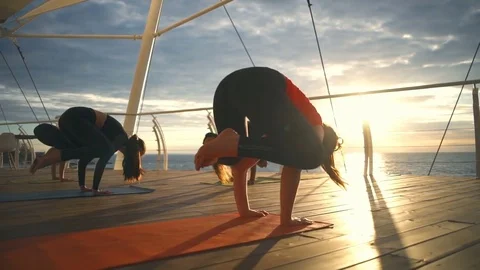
(70, 193)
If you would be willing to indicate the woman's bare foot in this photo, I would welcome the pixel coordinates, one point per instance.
(33, 166)
(295, 221)
(37, 164)
(51, 157)
(254, 213)
(225, 145)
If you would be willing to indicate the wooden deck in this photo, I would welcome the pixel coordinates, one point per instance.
(387, 222)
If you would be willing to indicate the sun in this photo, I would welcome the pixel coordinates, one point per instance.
(381, 112)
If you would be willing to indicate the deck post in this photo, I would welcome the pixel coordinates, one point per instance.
(162, 144)
(368, 146)
(17, 155)
(211, 123)
(159, 146)
(141, 71)
(476, 123)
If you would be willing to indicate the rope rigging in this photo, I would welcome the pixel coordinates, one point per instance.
(238, 34)
(324, 73)
(31, 78)
(18, 84)
(453, 111)
(5, 117)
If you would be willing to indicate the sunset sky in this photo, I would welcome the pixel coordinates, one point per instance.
(366, 45)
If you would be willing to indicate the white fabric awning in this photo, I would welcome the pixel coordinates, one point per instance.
(50, 6)
(10, 7)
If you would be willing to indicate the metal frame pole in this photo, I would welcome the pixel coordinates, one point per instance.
(85, 36)
(141, 71)
(192, 17)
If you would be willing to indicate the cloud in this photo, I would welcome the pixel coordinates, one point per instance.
(416, 99)
(465, 62)
(122, 12)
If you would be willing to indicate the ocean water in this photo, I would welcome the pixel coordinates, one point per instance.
(448, 163)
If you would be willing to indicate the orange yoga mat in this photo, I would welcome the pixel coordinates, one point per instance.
(125, 245)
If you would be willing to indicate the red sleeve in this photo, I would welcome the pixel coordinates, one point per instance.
(303, 104)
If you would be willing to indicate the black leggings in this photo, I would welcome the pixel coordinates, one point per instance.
(259, 93)
(77, 137)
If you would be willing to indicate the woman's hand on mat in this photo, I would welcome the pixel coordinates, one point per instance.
(101, 192)
(254, 213)
(295, 221)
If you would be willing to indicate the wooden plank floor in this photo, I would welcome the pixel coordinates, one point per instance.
(382, 222)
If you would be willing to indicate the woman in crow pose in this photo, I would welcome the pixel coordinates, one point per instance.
(286, 129)
(84, 133)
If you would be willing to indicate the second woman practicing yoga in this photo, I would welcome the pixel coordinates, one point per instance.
(84, 133)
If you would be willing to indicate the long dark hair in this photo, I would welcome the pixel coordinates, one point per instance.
(223, 172)
(331, 143)
(132, 168)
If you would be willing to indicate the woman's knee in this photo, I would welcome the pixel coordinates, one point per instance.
(49, 135)
(43, 130)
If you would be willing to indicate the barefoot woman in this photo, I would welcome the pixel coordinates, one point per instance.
(84, 134)
(286, 129)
